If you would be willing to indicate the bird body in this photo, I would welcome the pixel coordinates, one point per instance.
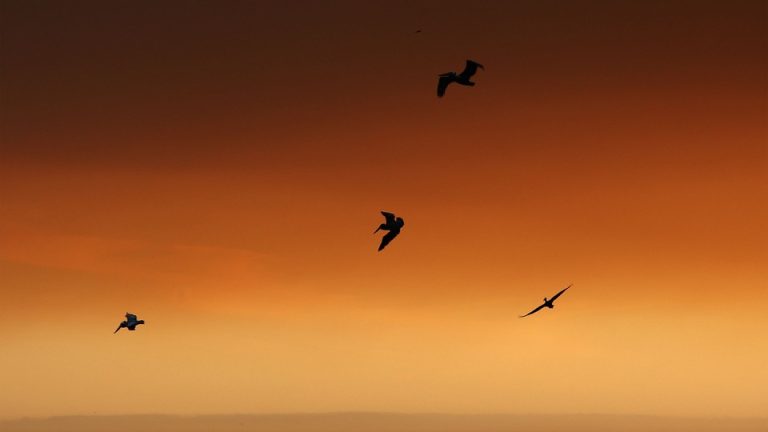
(548, 303)
(462, 78)
(393, 225)
(131, 321)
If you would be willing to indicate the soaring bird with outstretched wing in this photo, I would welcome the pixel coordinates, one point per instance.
(131, 321)
(392, 224)
(462, 78)
(547, 303)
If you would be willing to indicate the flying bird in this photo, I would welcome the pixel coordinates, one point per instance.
(393, 225)
(130, 322)
(462, 78)
(547, 303)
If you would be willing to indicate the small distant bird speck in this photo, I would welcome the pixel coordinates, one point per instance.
(462, 78)
(547, 303)
(130, 322)
(393, 225)
(418, 31)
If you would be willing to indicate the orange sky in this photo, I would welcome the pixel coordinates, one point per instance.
(218, 169)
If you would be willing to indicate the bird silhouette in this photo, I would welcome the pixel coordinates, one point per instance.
(393, 225)
(130, 322)
(462, 78)
(547, 303)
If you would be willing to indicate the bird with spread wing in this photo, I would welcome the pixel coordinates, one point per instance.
(461, 78)
(393, 225)
(131, 321)
(547, 303)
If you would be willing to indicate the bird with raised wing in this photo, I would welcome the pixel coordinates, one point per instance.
(547, 303)
(461, 78)
(131, 321)
(393, 225)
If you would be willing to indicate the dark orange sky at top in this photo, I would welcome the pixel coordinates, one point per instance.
(227, 161)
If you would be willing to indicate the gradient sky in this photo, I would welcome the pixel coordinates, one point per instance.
(218, 168)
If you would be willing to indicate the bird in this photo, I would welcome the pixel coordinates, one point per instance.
(547, 303)
(130, 322)
(462, 78)
(393, 225)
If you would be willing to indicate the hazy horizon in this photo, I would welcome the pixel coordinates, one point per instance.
(374, 422)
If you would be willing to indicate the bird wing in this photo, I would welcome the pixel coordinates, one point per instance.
(532, 312)
(470, 69)
(388, 238)
(442, 84)
(390, 217)
(558, 294)
(130, 317)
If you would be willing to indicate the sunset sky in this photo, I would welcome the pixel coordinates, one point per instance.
(218, 167)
